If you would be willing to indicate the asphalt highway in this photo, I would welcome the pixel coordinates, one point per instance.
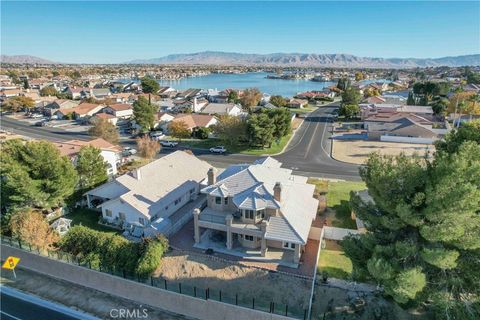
(17, 305)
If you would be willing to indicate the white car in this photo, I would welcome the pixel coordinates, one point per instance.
(218, 149)
(127, 151)
(155, 135)
(167, 143)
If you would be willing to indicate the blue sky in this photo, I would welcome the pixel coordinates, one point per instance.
(110, 32)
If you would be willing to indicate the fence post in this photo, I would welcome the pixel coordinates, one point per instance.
(151, 281)
(286, 310)
(273, 307)
(124, 274)
(305, 314)
(20, 244)
(194, 291)
(165, 282)
(179, 287)
(220, 295)
(253, 303)
(236, 299)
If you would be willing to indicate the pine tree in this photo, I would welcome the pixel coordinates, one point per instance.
(423, 240)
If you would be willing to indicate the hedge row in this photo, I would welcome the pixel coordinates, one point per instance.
(113, 252)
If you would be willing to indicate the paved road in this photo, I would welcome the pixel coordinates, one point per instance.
(308, 153)
(17, 305)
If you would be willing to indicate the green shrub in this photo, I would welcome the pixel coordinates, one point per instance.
(151, 256)
(113, 252)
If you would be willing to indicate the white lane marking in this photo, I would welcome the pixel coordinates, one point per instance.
(9, 315)
(311, 140)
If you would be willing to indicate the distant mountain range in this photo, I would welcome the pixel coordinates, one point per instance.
(282, 60)
(308, 60)
(24, 59)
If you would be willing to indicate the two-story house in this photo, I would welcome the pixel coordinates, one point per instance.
(148, 196)
(257, 207)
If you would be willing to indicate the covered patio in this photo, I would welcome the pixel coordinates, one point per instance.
(216, 240)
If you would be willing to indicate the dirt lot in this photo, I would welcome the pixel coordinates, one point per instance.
(357, 151)
(247, 282)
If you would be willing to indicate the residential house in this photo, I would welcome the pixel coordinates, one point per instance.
(257, 207)
(368, 110)
(297, 103)
(82, 111)
(57, 104)
(223, 109)
(110, 153)
(189, 105)
(104, 116)
(162, 119)
(119, 110)
(167, 92)
(121, 97)
(9, 93)
(148, 196)
(401, 125)
(194, 121)
(100, 93)
(77, 93)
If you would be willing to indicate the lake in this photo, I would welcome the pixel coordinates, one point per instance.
(258, 80)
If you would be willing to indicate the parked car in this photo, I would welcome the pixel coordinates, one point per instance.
(156, 135)
(168, 143)
(218, 149)
(40, 123)
(36, 115)
(128, 151)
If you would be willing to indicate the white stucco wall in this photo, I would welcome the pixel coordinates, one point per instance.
(111, 158)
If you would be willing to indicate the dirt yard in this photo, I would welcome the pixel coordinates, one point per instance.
(203, 272)
(357, 151)
(343, 304)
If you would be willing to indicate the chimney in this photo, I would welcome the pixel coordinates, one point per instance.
(136, 174)
(211, 176)
(277, 191)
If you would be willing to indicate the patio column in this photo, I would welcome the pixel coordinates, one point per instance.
(89, 205)
(196, 231)
(264, 241)
(228, 222)
(296, 254)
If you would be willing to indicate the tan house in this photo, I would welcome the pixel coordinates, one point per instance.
(83, 110)
(255, 209)
(399, 124)
(120, 110)
(297, 103)
(196, 120)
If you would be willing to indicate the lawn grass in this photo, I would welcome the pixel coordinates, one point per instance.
(306, 109)
(241, 148)
(88, 218)
(338, 199)
(335, 264)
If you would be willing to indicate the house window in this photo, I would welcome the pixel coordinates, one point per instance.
(178, 201)
(142, 221)
(108, 213)
(192, 190)
(248, 214)
(249, 238)
(122, 216)
(218, 200)
(225, 200)
(261, 213)
(289, 245)
(166, 208)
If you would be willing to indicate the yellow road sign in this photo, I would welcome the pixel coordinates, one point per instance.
(11, 263)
